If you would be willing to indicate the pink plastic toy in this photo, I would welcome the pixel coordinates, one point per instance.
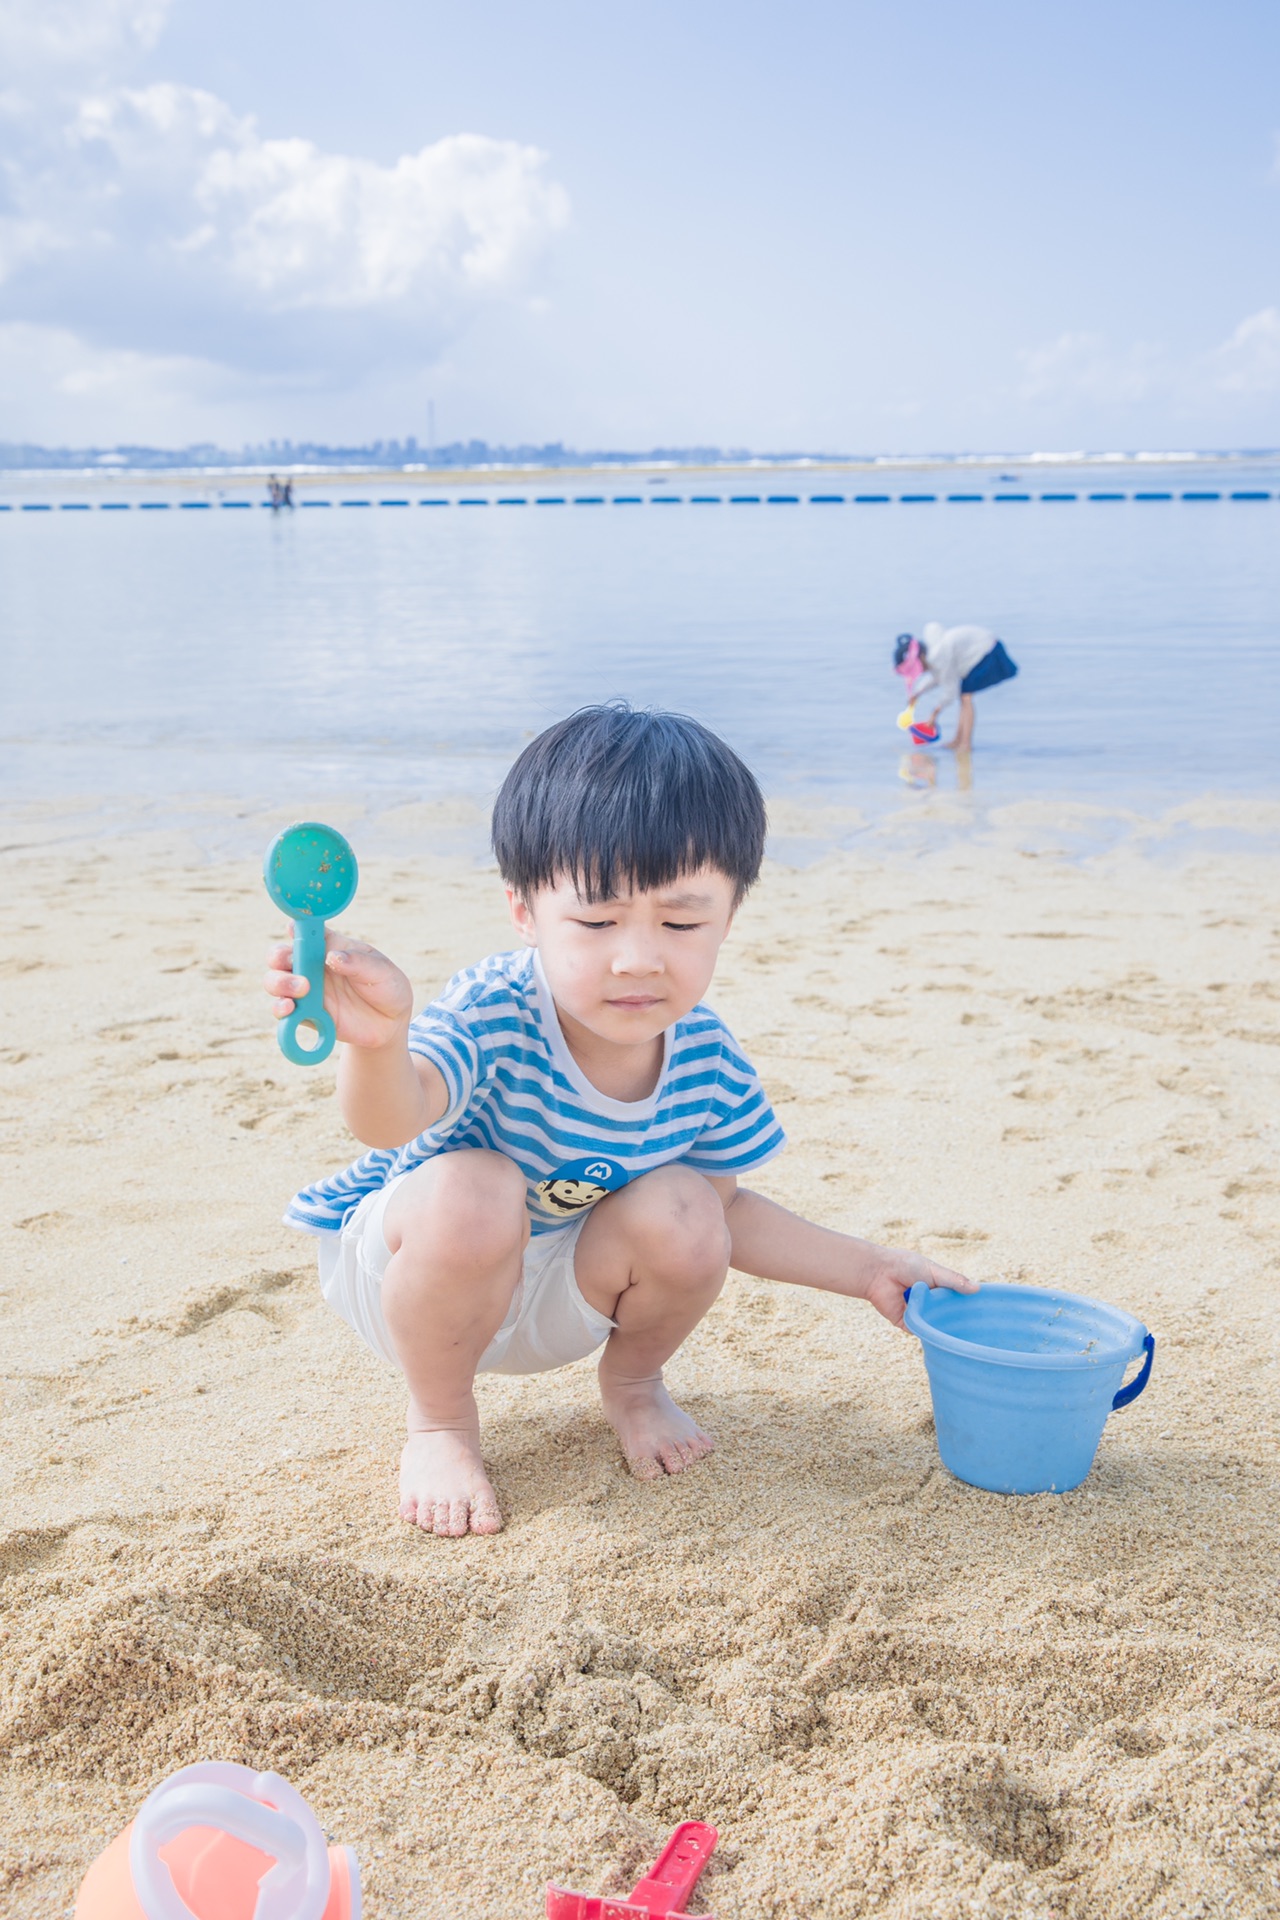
(909, 666)
(662, 1892)
(221, 1842)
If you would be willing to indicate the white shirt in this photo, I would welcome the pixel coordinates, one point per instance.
(951, 653)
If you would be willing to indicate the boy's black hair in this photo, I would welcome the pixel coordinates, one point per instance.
(618, 799)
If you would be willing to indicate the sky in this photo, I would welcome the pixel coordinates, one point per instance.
(863, 226)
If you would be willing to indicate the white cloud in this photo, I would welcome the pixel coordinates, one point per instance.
(1249, 361)
(25, 241)
(296, 228)
(157, 227)
(1084, 366)
(52, 35)
(56, 389)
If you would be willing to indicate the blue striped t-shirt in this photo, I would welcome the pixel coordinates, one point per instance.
(515, 1088)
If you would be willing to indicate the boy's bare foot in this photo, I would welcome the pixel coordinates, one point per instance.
(443, 1485)
(656, 1435)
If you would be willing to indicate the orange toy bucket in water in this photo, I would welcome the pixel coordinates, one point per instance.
(221, 1842)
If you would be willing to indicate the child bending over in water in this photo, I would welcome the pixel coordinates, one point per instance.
(556, 1142)
(956, 662)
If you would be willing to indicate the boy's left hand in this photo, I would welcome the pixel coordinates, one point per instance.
(897, 1271)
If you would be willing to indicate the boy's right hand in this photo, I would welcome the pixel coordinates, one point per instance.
(368, 998)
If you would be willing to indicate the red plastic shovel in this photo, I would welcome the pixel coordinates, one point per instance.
(662, 1892)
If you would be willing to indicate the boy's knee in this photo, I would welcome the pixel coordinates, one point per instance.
(467, 1207)
(684, 1231)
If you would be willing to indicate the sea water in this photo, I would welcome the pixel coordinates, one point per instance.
(408, 652)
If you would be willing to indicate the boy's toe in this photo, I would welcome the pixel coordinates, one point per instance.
(679, 1454)
(485, 1517)
(453, 1518)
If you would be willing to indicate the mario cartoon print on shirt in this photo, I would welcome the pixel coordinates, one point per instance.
(578, 1184)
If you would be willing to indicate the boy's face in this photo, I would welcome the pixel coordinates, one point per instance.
(629, 968)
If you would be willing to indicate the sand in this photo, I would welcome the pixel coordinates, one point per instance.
(896, 1695)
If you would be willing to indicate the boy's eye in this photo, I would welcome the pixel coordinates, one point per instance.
(683, 926)
(595, 926)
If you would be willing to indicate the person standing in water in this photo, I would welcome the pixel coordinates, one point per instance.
(957, 662)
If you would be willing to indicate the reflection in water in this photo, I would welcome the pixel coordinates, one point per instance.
(918, 770)
(921, 770)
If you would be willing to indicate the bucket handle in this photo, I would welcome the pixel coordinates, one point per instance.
(297, 1887)
(1140, 1379)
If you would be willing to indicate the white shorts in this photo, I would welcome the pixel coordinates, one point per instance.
(548, 1323)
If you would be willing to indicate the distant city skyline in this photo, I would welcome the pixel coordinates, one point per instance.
(855, 225)
(406, 456)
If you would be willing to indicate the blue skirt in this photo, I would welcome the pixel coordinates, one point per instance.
(990, 671)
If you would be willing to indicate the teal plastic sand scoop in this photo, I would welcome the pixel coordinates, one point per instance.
(310, 873)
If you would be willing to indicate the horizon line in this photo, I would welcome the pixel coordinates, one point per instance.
(480, 455)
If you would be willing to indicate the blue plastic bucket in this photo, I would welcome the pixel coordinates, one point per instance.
(1023, 1379)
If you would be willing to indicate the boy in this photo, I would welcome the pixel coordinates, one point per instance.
(958, 662)
(576, 1120)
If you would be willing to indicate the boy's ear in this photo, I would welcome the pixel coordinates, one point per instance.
(521, 918)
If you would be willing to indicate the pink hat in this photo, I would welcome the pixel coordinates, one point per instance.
(907, 659)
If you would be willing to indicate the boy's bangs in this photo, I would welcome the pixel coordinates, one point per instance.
(606, 869)
(622, 802)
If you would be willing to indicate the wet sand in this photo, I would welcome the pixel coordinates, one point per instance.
(896, 1695)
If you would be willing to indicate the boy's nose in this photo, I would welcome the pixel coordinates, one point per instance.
(637, 960)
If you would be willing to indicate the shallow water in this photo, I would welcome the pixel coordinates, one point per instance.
(408, 653)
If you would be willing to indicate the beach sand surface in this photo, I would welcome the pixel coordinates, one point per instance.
(896, 1695)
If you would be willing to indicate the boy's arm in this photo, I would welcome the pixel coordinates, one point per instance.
(387, 1095)
(774, 1244)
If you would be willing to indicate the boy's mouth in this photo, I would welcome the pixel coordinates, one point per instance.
(634, 1002)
